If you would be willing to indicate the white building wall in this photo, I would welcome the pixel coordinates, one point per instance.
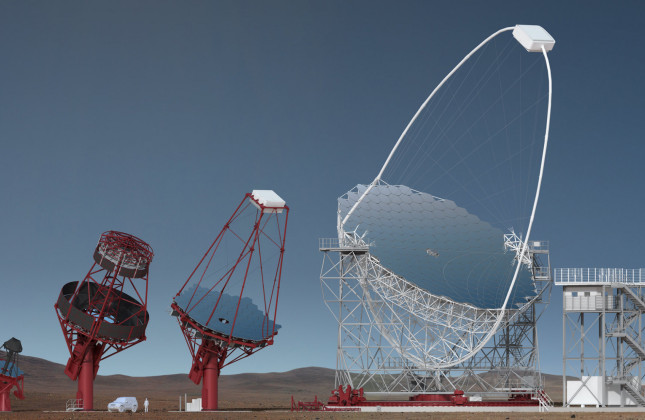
(195, 405)
(591, 393)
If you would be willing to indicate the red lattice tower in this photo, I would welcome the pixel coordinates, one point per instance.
(10, 375)
(98, 318)
(220, 323)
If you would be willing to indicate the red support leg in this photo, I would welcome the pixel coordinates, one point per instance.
(209, 387)
(5, 402)
(86, 382)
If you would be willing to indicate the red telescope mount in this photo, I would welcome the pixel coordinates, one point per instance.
(98, 318)
(10, 374)
(217, 313)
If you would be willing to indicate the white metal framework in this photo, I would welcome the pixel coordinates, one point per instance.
(602, 335)
(451, 332)
(388, 330)
(395, 336)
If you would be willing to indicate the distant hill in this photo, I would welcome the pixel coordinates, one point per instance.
(47, 387)
(46, 382)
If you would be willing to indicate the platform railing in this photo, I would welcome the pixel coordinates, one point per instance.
(328, 243)
(541, 273)
(74, 405)
(573, 276)
(539, 246)
(544, 400)
(333, 243)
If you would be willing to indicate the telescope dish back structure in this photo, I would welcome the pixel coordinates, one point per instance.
(438, 242)
(10, 374)
(227, 308)
(106, 312)
(421, 238)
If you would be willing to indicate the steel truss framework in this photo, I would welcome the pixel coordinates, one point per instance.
(603, 332)
(10, 375)
(212, 350)
(81, 341)
(392, 334)
(98, 319)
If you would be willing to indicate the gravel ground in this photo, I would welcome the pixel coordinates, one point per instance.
(276, 415)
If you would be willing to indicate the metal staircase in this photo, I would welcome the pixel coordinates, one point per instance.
(635, 298)
(613, 301)
(633, 389)
(545, 401)
(626, 316)
(634, 345)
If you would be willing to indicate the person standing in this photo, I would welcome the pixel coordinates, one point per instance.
(145, 405)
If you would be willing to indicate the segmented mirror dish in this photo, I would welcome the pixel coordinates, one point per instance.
(219, 312)
(436, 244)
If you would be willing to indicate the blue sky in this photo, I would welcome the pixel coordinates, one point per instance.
(155, 117)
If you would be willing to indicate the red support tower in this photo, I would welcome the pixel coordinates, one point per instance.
(97, 317)
(216, 312)
(10, 375)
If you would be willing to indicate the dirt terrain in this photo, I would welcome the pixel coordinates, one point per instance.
(242, 396)
(278, 415)
(47, 388)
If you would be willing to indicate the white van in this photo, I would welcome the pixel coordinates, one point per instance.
(122, 404)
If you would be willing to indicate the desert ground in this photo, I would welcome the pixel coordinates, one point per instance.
(242, 396)
(277, 415)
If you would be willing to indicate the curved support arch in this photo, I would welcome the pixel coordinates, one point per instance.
(528, 229)
(502, 310)
(414, 118)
